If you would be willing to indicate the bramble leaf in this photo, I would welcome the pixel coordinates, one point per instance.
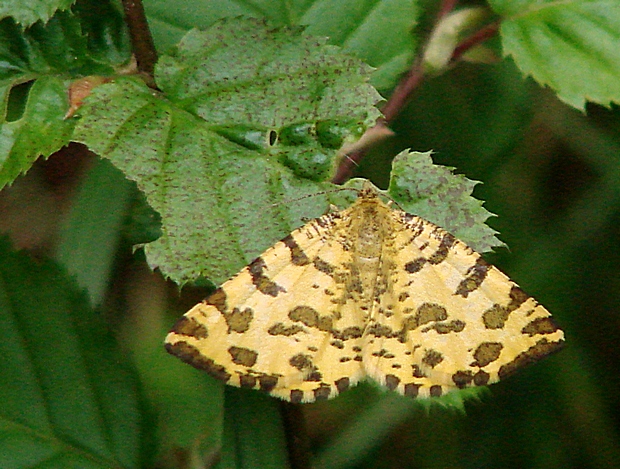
(435, 193)
(27, 12)
(36, 66)
(187, 148)
(570, 46)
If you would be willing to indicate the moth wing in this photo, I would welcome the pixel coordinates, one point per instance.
(283, 324)
(448, 319)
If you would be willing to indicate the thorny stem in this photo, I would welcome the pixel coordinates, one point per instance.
(412, 80)
(141, 39)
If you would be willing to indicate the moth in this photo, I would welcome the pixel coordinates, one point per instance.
(366, 292)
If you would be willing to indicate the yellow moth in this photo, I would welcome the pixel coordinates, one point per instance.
(366, 292)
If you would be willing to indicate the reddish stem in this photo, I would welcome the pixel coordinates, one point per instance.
(141, 39)
(403, 91)
(446, 7)
(414, 78)
(484, 33)
(346, 167)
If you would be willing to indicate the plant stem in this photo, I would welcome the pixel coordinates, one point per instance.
(484, 33)
(411, 82)
(446, 7)
(415, 76)
(141, 39)
(296, 435)
(403, 92)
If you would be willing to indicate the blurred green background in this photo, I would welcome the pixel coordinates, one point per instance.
(550, 173)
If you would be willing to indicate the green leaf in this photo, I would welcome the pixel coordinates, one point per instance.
(310, 148)
(217, 197)
(434, 193)
(41, 130)
(35, 66)
(380, 33)
(105, 34)
(143, 225)
(88, 40)
(68, 397)
(253, 436)
(239, 71)
(90, 234)
(276, 90)
(570, 46)
(27, 12)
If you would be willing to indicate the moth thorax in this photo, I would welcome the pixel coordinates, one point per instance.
(370, 234)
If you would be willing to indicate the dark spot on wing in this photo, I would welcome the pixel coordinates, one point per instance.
(322, 393)
(297, 396)
(298, 256)
(415, 265)
(474, 278)
(446, 327)
(462, 378)
(412, 390)
(190, 327)
(243, 356)
(324, 267)
(391, 382)
(301, 362)
(432, 358)
(428, 312)
(540, 326)
(263, 283)
(267, 382)
(487, 352)
(218, 299)
(481, 378)
(342, 384)
(281, 329)
(190, 354)
(238, 320)
(440, 255)
(542, 348)
(247, 381)
(311, 318)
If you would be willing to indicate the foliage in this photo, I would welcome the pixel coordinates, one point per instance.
(230, 145)
(68, 395)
